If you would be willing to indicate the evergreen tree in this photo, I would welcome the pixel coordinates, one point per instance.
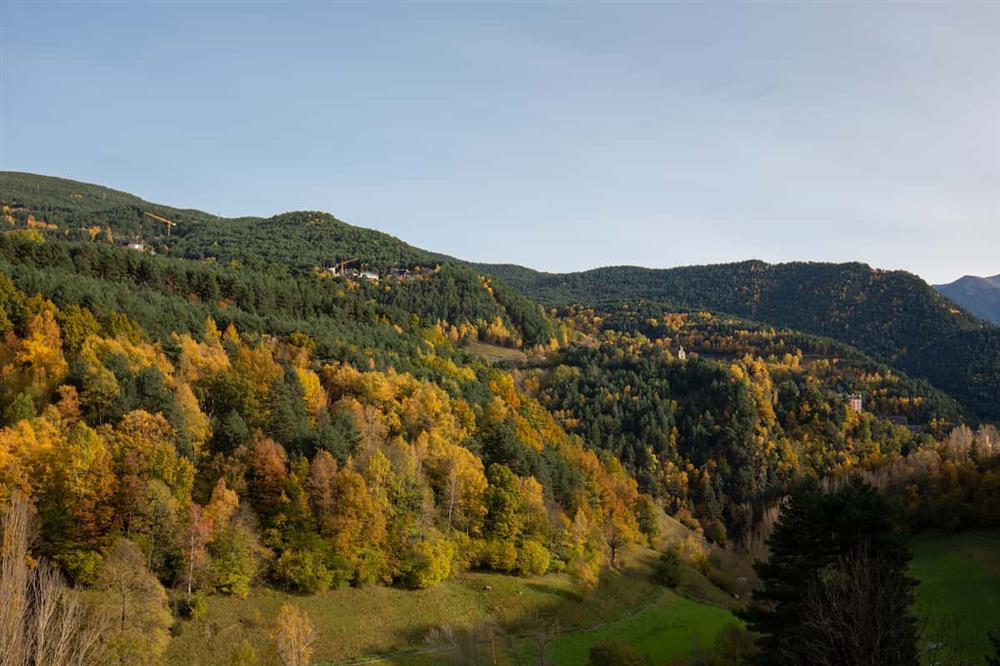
(288, 421)
(830, 554)
(230, 432)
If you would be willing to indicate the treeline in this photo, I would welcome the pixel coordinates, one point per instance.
(953, 484)
(893, 316)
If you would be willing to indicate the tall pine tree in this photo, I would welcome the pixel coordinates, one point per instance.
(834, 590)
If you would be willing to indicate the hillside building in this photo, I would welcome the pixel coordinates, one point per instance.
(856, 402)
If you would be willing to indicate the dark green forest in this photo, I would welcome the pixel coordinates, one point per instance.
(893, 316)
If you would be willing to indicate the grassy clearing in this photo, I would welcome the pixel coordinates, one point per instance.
(357, 623)
(496, 353)
(352, 623)
(959, 593)
(671, 627)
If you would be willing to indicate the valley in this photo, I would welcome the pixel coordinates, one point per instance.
(235, 451)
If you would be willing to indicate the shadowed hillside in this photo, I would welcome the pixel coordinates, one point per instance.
(892, 315)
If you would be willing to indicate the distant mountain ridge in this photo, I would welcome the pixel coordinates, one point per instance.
(978, 295)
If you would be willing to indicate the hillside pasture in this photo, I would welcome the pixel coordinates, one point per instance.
(395, 626)
(958, 598)
(495, 353)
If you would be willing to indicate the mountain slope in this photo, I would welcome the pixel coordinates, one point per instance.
(892, 315)
(298, 242)
(980, 296)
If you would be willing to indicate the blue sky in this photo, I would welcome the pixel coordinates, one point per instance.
(561, 136)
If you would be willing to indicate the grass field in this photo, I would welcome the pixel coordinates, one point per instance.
(496, 353)
(958, 598)
(352, 623)
(672, 627)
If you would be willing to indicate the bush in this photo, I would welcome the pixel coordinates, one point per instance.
(715, 531)
(192, 607)
(733, 646)
(371, 568)
(303, 571)
(429, 562)
(500, 555)
(646, 516)
(244, 655)
(668, 569)
(533, 560)
(687, 519)
(722, 580)
(585, 575)
(615, 653)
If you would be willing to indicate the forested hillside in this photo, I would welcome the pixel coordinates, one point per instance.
(210, 413)
(718, 416)
(892, 315)
(281, 250)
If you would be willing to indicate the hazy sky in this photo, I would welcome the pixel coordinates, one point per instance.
(560, 136)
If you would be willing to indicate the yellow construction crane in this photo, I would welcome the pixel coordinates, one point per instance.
(344, 264)
(162, 219)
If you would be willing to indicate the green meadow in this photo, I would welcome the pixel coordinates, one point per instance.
(392, 626)
(673, 626)
(958, 599)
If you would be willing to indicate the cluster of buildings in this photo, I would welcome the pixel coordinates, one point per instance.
(355, 273)
(403, 274)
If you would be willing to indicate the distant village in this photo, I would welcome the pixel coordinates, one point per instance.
(344, 269)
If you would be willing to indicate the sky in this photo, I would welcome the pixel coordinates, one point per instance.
(560, 136)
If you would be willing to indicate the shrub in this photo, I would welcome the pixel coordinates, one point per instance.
(533, 560)
(733, 647)
(500, 555)
(429, 562)
(192, 607)
(615, 653)
(715, 531)
(584, 574)
(722, 580)
(244, 655)
(687, 519)
(668, 569)
(303, 571)
(370, 568)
